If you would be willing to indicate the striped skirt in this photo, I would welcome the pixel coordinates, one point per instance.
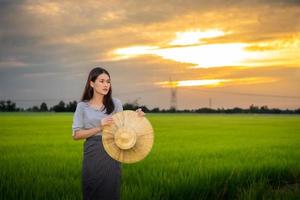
(101, 174)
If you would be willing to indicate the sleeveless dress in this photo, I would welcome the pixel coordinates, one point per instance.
(101, 174)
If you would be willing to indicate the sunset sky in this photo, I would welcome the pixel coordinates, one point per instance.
(231, 53)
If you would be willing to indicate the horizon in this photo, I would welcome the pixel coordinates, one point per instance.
(160, 109)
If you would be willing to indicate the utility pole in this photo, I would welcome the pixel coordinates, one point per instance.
(173, 102)
(210, 102)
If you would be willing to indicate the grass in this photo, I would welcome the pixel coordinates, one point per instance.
(195, 156)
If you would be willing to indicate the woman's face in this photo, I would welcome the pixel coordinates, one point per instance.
(101, 84)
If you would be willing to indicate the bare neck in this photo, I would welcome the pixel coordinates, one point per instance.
(97, 99)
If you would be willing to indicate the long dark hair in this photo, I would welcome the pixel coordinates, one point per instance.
(89, 91)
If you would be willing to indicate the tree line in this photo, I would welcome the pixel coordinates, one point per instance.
(9, 106)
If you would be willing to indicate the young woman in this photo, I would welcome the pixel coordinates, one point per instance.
(101, 174)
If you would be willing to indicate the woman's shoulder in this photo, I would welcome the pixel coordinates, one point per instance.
(82, 104)
(116, 101)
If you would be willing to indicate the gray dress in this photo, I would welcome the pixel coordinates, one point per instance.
(101, 174)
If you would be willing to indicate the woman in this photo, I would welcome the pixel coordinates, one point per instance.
(101, 174)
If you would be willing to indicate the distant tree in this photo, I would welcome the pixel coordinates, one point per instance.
(144, 108)
(35, 109)
(237, 110)
(43, 107)
(155, 110)
(172, 110)
(253, 108)
(60, 107)
(204, 110)
(264, 109)
(71, 106)
(276, 110)
(2, 106)
(130, 106)
(10, 106)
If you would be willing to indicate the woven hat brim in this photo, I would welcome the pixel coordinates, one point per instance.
(144, 133)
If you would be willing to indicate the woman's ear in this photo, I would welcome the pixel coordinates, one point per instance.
(92, 84)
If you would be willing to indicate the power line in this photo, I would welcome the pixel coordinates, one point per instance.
(249, 94)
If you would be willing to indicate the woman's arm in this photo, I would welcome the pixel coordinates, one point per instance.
(83, 134)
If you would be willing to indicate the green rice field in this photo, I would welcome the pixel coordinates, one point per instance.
(194, 156)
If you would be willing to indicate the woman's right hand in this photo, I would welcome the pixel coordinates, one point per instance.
(106, 121)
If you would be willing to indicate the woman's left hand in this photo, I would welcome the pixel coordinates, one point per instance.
(140, 112)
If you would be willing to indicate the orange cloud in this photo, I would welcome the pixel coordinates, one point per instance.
(217, 82)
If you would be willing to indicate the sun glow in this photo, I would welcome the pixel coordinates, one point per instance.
(199, 56)
(217, 82)
(188, 83)
(134, 51)
(206, 55)
(194, 37)
(188, 47)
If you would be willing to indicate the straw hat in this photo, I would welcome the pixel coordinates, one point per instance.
(129, 139)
